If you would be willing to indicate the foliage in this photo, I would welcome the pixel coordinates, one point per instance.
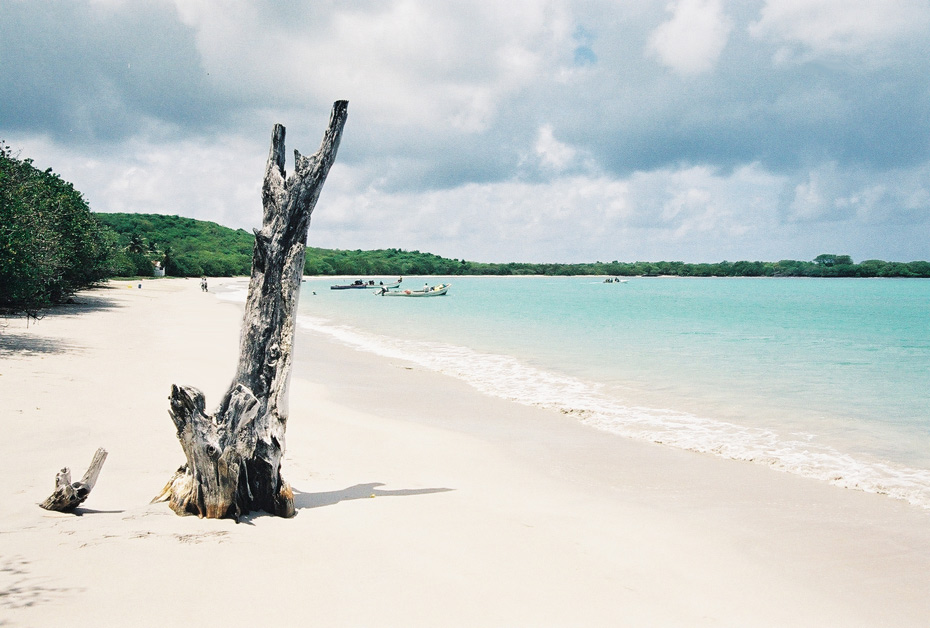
(184, 246)
(50, 244)
(398, 262)
(190, 247)
(205, 248)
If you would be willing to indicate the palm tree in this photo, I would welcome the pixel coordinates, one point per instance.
(136, 244)
(168, 259)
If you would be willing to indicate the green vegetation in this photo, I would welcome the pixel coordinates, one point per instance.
(50, 244)
(190, 247)
(184, 247)
(398, 262)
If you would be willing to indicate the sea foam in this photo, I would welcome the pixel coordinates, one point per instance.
(508, 378)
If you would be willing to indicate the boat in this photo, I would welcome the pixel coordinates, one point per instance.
(359, 284)
(435, 291)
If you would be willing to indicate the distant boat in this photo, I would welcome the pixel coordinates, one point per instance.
(435, 291)
(616, 280)
(359, 284)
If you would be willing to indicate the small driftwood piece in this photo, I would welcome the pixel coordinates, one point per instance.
(69, 495)
(234, 454)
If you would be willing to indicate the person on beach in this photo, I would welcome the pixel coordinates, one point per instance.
(203, 283)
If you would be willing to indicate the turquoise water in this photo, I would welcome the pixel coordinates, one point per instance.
(824, 378)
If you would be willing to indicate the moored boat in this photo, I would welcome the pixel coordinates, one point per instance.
(435, 291)
(360, 284)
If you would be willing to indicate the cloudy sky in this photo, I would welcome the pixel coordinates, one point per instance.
(490, 130)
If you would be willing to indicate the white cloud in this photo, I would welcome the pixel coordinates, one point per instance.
(552, 153)
(691, 41)
(810, 202)
(830, 194)
(648, 215)
(405, 62)
(692, 213)
(460, 116)
(806, 28)
(219, 181)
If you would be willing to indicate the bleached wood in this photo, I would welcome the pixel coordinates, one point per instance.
(234, 455)
(69, 495)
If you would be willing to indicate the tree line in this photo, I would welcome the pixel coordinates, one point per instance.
(51, 245)
(400, 262)
(191, 248)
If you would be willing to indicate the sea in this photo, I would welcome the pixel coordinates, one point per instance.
(824, 378)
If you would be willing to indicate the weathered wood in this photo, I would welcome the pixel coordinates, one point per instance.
(234, 455)
(69, 495)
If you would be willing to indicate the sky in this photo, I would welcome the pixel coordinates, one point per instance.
(517, 131)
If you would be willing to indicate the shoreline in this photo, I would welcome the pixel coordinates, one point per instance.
(485, 513)
(749, 414)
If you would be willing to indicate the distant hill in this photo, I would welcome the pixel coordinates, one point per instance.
(188, 247)
(184, 246)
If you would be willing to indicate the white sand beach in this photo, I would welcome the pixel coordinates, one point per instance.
(420, 502)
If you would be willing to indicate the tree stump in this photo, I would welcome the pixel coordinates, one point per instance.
(234, 455)
(69, 495)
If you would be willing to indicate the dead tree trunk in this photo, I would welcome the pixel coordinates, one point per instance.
(69, 495)
(234, 455)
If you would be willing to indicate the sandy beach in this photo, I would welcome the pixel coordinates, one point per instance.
(420, 502)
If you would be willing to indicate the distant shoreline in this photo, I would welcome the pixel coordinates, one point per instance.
(381, 277)
(190, 248)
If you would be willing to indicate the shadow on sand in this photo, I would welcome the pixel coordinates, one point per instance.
(16, 345)
(82, 303)
(359, 491)
(20, 343)
(80, 512)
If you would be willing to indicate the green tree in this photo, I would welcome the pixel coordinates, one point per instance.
(136, 244)
(50, 244)
(194, 247)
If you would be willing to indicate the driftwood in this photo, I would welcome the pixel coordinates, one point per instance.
(68, 495)
(234, 455)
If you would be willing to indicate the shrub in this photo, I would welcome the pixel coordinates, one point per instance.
(50, 244)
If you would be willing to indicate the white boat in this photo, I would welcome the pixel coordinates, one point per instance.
(435, 291)
(359, 284)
